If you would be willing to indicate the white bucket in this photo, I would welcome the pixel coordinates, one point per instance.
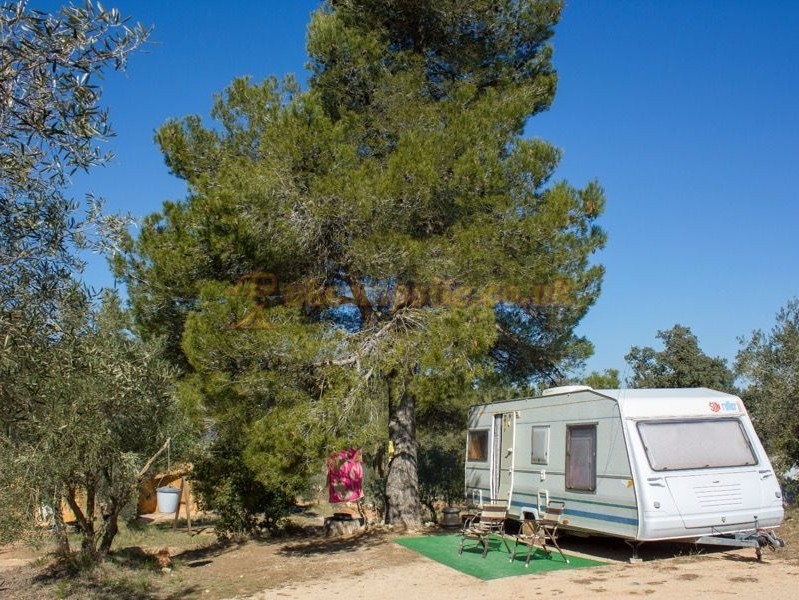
(168, 499)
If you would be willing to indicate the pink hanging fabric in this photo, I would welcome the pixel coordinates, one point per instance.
(345, 476)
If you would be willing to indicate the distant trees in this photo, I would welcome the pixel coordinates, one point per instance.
(769, 364)
(681, 363)
(606, 380)
(357, 262)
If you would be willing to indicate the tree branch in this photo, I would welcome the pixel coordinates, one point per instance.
(150, 462)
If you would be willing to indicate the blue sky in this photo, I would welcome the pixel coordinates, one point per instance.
(684, 111)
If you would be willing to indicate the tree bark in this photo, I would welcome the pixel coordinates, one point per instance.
(62, 539)
(403, 507)
(85, 519)
(111, 527)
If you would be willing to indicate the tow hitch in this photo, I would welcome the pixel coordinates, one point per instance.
(755, 538)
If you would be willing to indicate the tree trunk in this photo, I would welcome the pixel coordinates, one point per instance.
(62, 539)
(111, 528)
(403, 507)
(85, 519)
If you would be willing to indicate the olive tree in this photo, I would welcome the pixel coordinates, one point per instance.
(51, 125)
(769, 363)
(78, 389)
(101, 406)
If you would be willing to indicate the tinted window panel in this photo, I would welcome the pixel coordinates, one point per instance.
(696, 444)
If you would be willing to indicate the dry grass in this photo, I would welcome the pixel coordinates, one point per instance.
(203, 568)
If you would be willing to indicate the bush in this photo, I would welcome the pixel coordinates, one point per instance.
(790, 490)
(441, 470)
(244, 504)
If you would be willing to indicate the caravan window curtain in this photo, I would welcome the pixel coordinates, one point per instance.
(696, 444)
(477, 445)
(581, 457)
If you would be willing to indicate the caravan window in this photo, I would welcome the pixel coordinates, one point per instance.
(581, 457)
(477, 445)
(539, 445)
(696, 444)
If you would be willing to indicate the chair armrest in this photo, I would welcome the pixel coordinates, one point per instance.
(469, 521)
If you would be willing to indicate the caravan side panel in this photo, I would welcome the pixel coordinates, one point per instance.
(489, 454)
(479, 441)
(644, 465)
(572, 448)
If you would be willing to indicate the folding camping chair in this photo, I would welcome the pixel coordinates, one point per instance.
(488, 523)
(527, 536)
(548, 526)
(542, 530)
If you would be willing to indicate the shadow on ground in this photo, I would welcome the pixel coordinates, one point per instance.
(320, 545)
(614, 549)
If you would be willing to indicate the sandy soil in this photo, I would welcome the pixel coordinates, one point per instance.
(371, 566)
(720, 575)
(710, 574)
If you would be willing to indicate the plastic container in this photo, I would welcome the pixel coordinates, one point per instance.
(168, 499)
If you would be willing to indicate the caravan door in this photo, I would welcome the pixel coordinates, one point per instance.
(489, 456)
(502, 457)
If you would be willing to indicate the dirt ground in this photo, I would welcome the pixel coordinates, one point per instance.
(372, 566)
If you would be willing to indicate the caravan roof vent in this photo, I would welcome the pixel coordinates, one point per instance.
(565, 389)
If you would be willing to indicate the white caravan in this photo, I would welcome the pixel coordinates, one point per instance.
(643, 465)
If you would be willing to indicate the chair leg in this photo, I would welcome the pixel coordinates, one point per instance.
(563, 556)
(530, 549)
(460, 550)
(553, 540)
(546, 550)
(485, 546)
(513, 554)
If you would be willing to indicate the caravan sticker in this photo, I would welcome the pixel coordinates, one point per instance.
(726, 406)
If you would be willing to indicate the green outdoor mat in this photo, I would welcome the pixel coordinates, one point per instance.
(496, 564)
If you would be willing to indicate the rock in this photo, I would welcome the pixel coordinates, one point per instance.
(337, 526)
(162, 558)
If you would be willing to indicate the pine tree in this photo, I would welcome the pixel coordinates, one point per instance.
(379, 249)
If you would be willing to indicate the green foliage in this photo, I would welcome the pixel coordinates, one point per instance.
(382, 242)
(681, 364)
(225, 485)
(51, 122)
(488, 44)
(51, 117)
(790, 489)
(441, 460)
(99, 406)
(606, 380)
(84, 402)
(769, 363)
